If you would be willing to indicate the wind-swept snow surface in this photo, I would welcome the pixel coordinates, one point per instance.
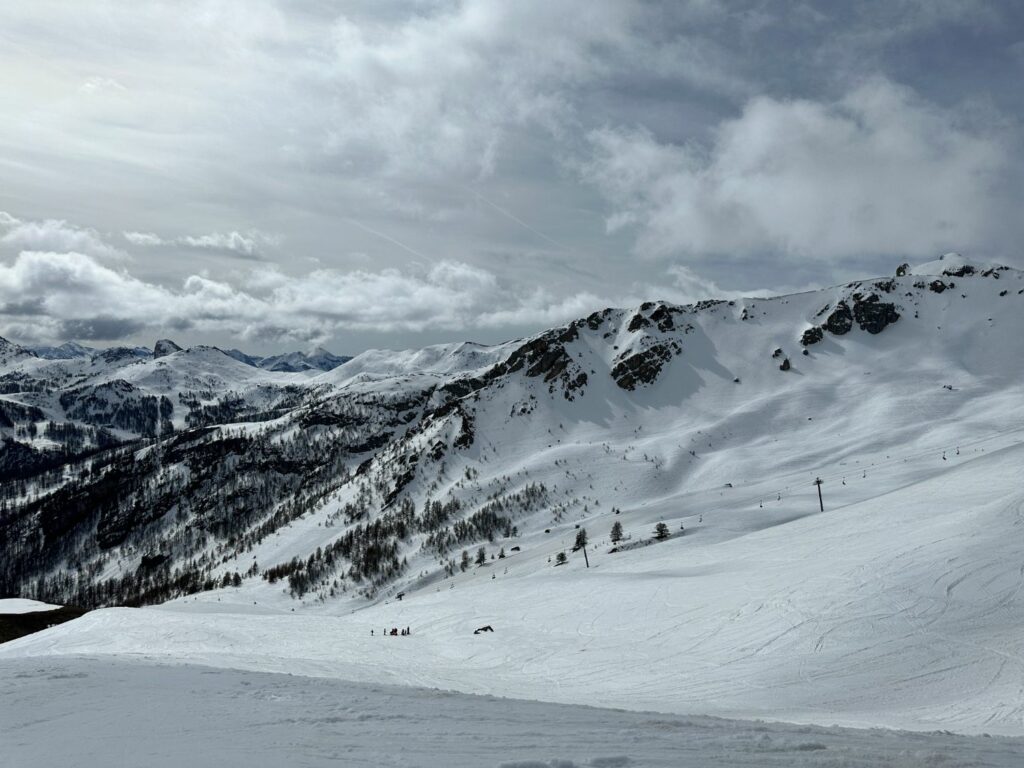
(96, 713)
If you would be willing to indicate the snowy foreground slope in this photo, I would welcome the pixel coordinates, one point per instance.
(899, 606)
(899, 610)
(93, 713)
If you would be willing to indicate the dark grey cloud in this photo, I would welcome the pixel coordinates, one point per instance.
(555, 151)
(99, 328)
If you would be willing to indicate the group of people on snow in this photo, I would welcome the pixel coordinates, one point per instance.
(396, 632)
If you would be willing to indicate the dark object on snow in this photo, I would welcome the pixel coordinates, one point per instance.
(840, 321)
(873, 315)
(806, 352)
(812, 336)
(484, 628)
(902, 270)
(785, 365)
(777, 352)
(963, 271)
(514, 549)
(400, 595)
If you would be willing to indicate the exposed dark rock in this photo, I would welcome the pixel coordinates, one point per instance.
(812, 336)
(963, 271)
(638, 322)
(644, 367)
(165, 347)
(777, 352)
(700, 306)
(544, 356)
(466, 431)
(937, 286)
(902, 269)
(840, 321)
(873, 315)
(785, 365)
(662, 317)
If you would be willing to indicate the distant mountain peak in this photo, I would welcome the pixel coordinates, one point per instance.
(165, 347)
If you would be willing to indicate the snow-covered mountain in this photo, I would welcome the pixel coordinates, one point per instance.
(457, 475)
(292, 362)
(69, 350)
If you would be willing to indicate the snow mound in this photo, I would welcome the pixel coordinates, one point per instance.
(20, 605)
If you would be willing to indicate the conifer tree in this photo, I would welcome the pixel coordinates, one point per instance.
(616, 532)
(581, 539)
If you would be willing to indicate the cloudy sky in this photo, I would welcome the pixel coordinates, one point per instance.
(367, 173)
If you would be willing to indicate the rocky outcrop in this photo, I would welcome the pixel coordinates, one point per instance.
(840, 322)
(637, 322)
(165, 347)
(544, 357)
(642, 368)
(812, 336)
(962, 271)
(662, 318)
(874, 315)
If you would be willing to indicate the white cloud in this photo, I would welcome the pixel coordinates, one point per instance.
(56, 235)
(880, 171)
(100, 84)
(242, 243)
(50, 296)
(142, 238)
(246, 244)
